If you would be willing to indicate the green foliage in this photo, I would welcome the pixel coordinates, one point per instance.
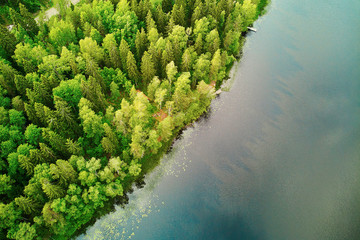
(70, 91)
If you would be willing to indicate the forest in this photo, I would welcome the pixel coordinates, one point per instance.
(91, 97)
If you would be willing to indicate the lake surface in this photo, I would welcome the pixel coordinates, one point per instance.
(278, 156)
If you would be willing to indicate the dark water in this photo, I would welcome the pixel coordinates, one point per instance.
(279, 155)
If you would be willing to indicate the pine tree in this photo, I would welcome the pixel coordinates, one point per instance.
(92, 91)
(132, 68)
(7, 77)
(26, 164)
(150, 23)
(64, 172)
(65, 114)
(147, 69)
(56, 141)
(212, 41)
(47, 153)
(186, 61)
(109, 43)
(215, 66)
(28, 205)
(140, 43)
(198, 44)
(161, 19)
(31, 113)
(52, 191)
(124, 50)
(73, 147)
(7, 40)
(22, 84)
(31, 26)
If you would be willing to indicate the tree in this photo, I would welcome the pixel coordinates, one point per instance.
(61, 6)
(178, 14)
(248, 12)
(29, 57)
(231, 42)
(178, 39)
(124, 50)
(165, 128)
(212, 41)
(216, 65)
(95, 34)
(201, 69)
(54, 66)
(153, 142)
(17, 103)
(171, 71)
(114, 189)
(56, 141)
(137, 142)
(132, 69)
(122, 116)
(160, 96)
(73, 147)
(186, 61)
(152, 87)
(16, 118)
(140, 43)
(26, 204)
(33, 134)
(22, 84)
(10, 216)
(89, 46)
(66, 116)
(5, 184)
(62, 34)
(110, 45)
(147, 69)
(160, 18)
(198, 44)
(52, 191)
(7, 77)
(182, 94)
(70, 91)
(64, 172)
(110, 143)
(134, 168)
(29, 23)
(150, 23)
(69, 58)
(91, 122)
(7, 40)
(26, 231)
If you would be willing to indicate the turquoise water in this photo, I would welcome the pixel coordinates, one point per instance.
(278, 156)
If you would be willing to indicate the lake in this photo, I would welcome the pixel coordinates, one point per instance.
(278, 155)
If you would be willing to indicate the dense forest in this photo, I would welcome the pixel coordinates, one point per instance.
(90, 97)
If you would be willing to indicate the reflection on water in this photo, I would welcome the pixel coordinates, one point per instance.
(278, 158)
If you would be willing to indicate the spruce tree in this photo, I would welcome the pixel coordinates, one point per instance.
(7, 41)
(132, 69)
(147, 69)
(31, 25)
(26, 204)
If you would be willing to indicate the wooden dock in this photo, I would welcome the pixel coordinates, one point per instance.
(252, 29)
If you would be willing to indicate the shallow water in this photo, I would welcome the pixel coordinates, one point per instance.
(278, 157)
